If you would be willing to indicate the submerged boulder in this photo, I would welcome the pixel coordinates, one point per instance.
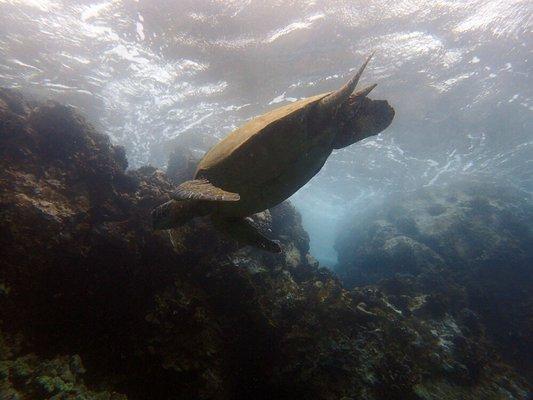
(85, 281)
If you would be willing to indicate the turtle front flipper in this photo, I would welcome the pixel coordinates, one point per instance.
(244, 232)
(202, 189)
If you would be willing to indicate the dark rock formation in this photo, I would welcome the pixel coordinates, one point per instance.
(30, 377)
(476, 237)
(95, 305)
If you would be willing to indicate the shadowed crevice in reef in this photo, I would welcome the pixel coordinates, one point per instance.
(97, 306)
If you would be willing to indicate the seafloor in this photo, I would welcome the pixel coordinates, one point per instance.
(95, 305)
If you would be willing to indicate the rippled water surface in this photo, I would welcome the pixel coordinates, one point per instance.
(154, 74)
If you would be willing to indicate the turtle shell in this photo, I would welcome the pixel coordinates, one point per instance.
(261, 150)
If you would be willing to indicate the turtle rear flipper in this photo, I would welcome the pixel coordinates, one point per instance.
(202, 189)
(176, 213)
(244, 232)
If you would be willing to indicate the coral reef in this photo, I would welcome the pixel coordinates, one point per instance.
(95, 305)
(31, 377)
(476, 237)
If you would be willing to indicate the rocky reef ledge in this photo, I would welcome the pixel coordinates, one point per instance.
(94, 305)
(462, 248)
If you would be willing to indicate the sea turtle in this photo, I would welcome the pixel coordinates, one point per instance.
(268, 159)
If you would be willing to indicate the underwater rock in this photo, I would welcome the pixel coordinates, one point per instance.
(474, 236)
(96, 305)
(31, 377)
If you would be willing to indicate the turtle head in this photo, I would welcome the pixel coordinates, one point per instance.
(354, 116)
(360, 118)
